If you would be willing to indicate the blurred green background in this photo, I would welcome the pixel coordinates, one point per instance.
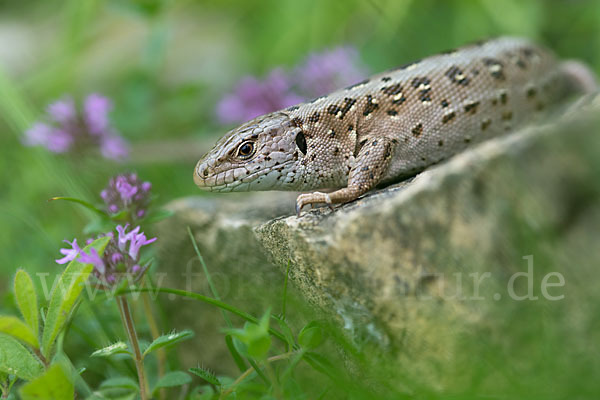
(166, 64)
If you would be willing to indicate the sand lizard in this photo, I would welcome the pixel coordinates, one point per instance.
(392, 125)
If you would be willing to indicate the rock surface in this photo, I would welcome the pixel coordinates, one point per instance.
(419, 267)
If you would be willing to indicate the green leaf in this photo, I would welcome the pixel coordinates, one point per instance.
(115, 348)
(168, 340)
(311, 335)
(65, 294)
(18, 329)
(254, 338)
(286, 330)
(84, 203)
(17, 360)
(320, 363)
(237, 357)
(175, 378)
(207, 375)
(54, 384)
(27, 300)
(120, 382)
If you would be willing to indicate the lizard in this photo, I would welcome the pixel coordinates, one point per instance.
(394, 124)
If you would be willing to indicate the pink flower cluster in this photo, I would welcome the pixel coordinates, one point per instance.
(319, 74)
(126, 192)
(121, 257)
(71, 130)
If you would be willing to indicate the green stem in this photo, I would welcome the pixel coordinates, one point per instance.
(243, 376)
(205, 299)
(130, 329)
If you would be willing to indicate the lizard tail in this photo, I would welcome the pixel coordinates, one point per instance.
(581, 78)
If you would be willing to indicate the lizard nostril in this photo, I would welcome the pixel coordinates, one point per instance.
(205, 172)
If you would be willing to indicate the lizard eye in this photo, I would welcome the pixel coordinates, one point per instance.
(246, 149)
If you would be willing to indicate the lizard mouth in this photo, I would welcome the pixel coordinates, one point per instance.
(225, 181)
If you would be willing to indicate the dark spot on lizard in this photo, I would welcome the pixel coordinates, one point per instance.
(358, 84)
(495, 67)
(292, 108)
(471, 108)
(364, 168)
(371, 175)
(467, 140)
(331, 133)
(296, 122)
(314, 117)
(350, 127)
(531, 92)
(392, 112)
(485, 123)
(374, 143)
(475, 72)
(392, 90)
(440, 143)
(387, 152)
(494, 102)
(448, 117)
(267, 158)
(348, 104)
(507, 116)
(539, 106)
(333, 109)
(503, 97)
(313, 156)
(444, 103)
(528, 52)
(336, 150)
(417, 130)
(301, 142)
(370, 106)
(457, 76)
(386, 79)
(422, 83)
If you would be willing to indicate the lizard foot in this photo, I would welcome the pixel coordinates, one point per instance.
(312, 198)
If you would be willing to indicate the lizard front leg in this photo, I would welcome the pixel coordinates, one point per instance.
(372, 161)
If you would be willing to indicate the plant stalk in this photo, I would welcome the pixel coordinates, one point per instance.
(130, 329)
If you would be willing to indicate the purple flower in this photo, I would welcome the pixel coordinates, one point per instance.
(114, 147)
(121, 258)
(253, 97)
(322, 73)
(136, 242)
(93, 258)
(70, 130)
(96, 109)
(63, 111)
(54, 139)
(69, 254)
(126, 192)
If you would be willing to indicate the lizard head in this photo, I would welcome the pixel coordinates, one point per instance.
(262, 154)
